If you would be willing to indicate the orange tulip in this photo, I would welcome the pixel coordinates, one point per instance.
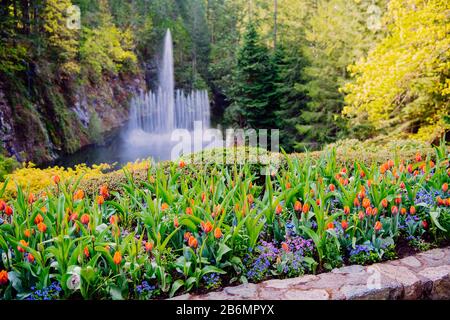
(31, 198)
(24, 244)
(217, 233)
(330, 225)
(27, 233)
(369, 211)
(445, 187)
(332, 187)
(366, 203)
(374, 211)
(360, 215)
(318, 202)
(113, 219)
(187, 235)
(390, 163)
(8, 210)
(104, 191)
(117, 258)
(164, 206)
(100, 200)
(42, 227)
(305, 208)
(175, 222)
(346, 209)
(148, 246)
(38, 219)
(56, 179)
(86, 252)
(189, 211)
(79, 195)
(182, 164)
(344, 224)
(206, 227)
(356, 202)
(3, 277)
(384, 203)
(279, 209)
(412, 210)
(298, 206)
(85, 219)
(403, 211)
(192, 242)
(288, 185)
(285, 247)
(378, 226)
(250, 199)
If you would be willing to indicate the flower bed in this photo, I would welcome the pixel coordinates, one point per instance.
(182, 228)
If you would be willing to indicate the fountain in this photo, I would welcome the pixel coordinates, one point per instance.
(167, 109)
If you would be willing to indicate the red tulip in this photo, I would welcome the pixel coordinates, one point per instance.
(402, 185)
(425, 224)
(182, 164)
(360, 215)
(8, 211)
(30, 258)
(330, 225)
(344, 224)
(24, 244)
(86, 252)
(394, 210)
(418, 157)
(332, 187)
(85, 219)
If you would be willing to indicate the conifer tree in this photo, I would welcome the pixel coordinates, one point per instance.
(254, 82)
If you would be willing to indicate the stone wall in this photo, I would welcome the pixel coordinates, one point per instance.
(423, 276)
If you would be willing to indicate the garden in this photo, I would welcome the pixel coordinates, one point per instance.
(165, 229)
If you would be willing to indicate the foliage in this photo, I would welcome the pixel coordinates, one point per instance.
(183, 226)
(402, 86)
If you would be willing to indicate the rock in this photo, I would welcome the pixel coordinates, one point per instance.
(312, 294)
(440, 277)
(411, 262)
(245, 291)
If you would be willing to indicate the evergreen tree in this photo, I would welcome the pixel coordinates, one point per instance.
(254, 83)
(290, 95)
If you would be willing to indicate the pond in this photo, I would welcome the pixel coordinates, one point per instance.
(125, 145)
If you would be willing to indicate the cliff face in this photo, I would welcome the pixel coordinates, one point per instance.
(44, 119)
